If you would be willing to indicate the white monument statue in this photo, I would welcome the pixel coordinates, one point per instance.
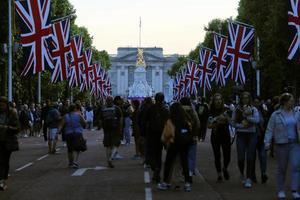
(140, 87)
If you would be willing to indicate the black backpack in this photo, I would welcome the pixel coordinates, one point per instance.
(109, 117)
(159, 116)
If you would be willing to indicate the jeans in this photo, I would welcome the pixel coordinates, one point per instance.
(172, 152)
(127, 134)
(221, 141)
(192, 154)
(288, 154)
(4, 161)
(246, 146)
(262, 157)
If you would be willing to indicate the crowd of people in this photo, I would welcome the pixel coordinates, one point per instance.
(253, 125)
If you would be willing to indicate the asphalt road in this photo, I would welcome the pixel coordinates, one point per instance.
(35, 175)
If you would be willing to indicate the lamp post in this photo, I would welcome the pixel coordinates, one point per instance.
(9, 53)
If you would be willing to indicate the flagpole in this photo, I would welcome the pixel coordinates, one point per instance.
(257, 68)
(39, 93)
(9, 52)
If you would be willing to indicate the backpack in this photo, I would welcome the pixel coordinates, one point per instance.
(110, 118)
(52, 116)
(158, 118)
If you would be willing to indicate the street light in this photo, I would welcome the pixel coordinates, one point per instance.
(256, 68)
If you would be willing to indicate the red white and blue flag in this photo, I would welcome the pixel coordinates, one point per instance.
(205, 67)
(96, 81)
(176, 87)
(183, 84)
(294, 21)
(219, 59)
(87, 71)
(35, 30)
(238, 50)
(107, 84)
(76, 61)
(60, 50)
(192, 77)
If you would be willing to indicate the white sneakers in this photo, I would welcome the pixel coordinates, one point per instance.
(281, 195)
(295, 195)
(248, 183)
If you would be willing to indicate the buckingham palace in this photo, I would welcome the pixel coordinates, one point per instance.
(124, 64)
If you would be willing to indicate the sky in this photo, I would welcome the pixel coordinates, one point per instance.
(175, 25)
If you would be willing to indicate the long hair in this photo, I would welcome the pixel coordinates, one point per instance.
(178, 115)
(213, 109)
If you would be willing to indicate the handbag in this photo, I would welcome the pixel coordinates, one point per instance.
(168, 133)
(12, 144)
(79, 143)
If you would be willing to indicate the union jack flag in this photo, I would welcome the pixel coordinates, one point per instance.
(206, 62)
(61, 50)
(240, 36)
(176, 87)
(86, 71)
(294, 20)
(183, 84)
(192, 77)
(36, 29)
(96, 90)
(76, 62)
(107, 84)
(219, 59)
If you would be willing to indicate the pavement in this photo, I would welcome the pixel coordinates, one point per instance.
(35, 175)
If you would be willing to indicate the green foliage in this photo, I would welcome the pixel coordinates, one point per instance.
(25, 88)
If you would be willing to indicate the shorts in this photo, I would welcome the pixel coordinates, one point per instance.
(53, 134)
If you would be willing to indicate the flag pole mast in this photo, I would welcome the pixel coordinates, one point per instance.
(9, 52)
(257, 68)
(140, 33)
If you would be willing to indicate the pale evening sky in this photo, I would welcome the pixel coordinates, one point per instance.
(175, 25)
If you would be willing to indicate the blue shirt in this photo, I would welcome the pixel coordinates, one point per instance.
(72, 123)
(291, 125)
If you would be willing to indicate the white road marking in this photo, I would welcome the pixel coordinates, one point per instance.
(147, 177)
(41, 158)
(27, 165)
(80, 172)
(148, 194)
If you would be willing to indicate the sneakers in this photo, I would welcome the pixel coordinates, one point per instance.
(225, 174)
(219, 179)
(243, 179)
(187, 187)
(163, 186)
(281, 195)
(264, 178)
(73, 165)
(248, 183)
(295, 195)
(110, 165)
(3, 186)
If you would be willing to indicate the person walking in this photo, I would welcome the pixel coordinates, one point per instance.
(218, 121)
(183, 138)
(245, 118)
(157, 116)
(53, 121)
(284, 127)
(111, 119)
(202, 111)
(73, 123)
(192, 154)
(260, 147)
(9, 129)
(89, 117)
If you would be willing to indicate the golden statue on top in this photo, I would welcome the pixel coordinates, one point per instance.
(140, 58)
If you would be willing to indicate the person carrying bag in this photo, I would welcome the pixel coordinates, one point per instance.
(9, 128)
(73, 122)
